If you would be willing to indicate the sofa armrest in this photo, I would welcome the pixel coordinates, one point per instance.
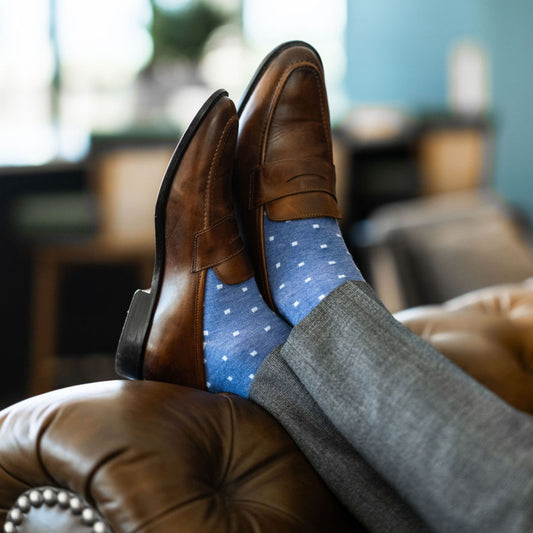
(488, 333)
(157, 457)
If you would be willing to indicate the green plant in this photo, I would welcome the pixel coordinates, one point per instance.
(183, 33)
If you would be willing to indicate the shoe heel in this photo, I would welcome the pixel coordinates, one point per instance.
(130, 351)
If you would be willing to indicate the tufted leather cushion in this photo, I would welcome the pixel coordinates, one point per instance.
(488, 333)
(161, 458)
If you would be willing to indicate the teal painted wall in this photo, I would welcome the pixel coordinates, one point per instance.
(398, 49)
(509, 32)
(397, 52)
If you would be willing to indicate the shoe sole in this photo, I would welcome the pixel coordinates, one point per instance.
(129, 358)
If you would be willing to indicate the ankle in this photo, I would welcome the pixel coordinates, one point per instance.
(306, 260)
(240, 330)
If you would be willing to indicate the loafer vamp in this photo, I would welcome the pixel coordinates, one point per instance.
(284, 164)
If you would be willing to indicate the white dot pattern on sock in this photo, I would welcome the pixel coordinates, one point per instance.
(240, 330)
(306, 260)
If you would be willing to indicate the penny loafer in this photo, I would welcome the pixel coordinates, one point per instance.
(284, 163)
(195, 229)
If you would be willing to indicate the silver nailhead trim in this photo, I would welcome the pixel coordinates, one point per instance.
(36, 498)
(63, 499)
(88, 516)
(15, 516)
(99, 527)
(9, 527)
(51, 496)
(75, 505)
(24, 503)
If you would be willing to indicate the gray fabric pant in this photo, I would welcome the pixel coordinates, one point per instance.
(401, 435)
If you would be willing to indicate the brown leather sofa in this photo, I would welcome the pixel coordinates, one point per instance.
(152, 457)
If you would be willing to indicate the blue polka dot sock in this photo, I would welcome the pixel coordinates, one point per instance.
(240, 330)
(306, 259)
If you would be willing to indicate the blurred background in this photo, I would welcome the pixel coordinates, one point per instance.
(431, 116)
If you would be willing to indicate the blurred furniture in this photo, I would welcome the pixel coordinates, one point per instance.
(388, 157)
(148, 456)
(434, 248)
(16, 267)
(124, 182)
(488, 333)
(454, 154)
(374, 172)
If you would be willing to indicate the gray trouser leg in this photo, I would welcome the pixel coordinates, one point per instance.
(369, 498)
(460, 456)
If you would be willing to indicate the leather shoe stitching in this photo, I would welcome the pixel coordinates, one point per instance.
(221, 143)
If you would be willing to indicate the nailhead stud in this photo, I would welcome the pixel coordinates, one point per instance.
(23, 503)
(15, 516)
(99, 527)
(36, 498)
(63, 499)
(88, 516)
(49, 497)
(9, 527)
(75, 505)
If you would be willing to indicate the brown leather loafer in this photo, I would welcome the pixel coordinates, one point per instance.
(284, 164)
(162, 338)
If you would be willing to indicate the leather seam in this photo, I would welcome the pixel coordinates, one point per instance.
(253, 203)
(232, 122)
(322, 190)
(223, 260)
(195, 266)
(221, 143)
